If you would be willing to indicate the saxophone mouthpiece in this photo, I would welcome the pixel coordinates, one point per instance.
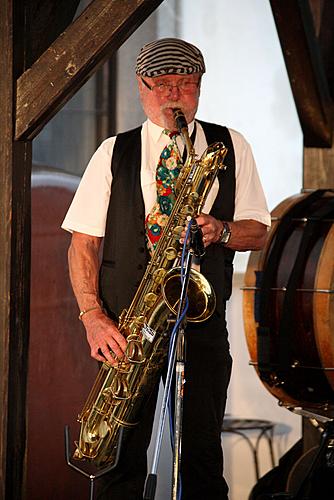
(180, 119)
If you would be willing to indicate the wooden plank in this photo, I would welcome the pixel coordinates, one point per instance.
(65, 66)
(6, 96)
(36, 25)
(45, 21)
(323, 15)
(306, 72)
(318, 168)
(19, 317)
(15, 160)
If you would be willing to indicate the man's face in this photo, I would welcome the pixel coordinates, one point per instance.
(158, 105)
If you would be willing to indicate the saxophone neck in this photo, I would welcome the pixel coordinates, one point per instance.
(182, 126)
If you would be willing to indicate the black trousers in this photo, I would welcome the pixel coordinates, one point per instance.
(207, 374)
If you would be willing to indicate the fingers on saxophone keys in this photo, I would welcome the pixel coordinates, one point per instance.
(111, 354)
(98, 355)
(112, 358)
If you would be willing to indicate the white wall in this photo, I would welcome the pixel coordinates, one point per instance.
(246, 87)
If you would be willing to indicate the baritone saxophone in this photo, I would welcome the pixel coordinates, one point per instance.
(120, 392)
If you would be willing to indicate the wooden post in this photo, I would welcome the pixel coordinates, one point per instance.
(15, 161)
(318, 169)
(6, 93)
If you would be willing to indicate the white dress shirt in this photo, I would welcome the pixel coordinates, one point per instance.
(88, 210)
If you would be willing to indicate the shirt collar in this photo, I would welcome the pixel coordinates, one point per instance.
(155, 131)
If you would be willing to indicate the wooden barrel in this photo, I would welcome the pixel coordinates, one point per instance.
(288, 302)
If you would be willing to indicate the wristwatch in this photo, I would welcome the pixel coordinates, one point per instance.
(225, 234)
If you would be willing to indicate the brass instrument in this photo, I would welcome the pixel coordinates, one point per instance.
(119, 392)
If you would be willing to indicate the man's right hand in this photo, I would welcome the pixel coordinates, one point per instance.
(105, 340)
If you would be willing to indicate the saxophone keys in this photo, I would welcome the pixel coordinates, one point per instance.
(177, 234)
(188, 210)
(134, 352)
(120, 389)
(171, 252)
(193, 196)
(158, 275)
(135, 327)
(122, 317)
(150, 299)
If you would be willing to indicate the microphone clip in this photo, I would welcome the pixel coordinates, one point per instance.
(196, 244)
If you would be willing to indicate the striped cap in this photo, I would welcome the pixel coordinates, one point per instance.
(169, 56)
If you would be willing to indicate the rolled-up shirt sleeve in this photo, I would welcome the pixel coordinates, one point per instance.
(88, 211)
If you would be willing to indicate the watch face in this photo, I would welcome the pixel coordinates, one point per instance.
(225, 237)
(226, 233)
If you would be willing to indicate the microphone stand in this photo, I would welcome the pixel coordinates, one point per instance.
(177, 360)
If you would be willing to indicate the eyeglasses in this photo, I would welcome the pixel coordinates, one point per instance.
(164, 89)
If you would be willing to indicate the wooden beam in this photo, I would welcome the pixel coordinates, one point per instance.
(19, 316)
(15, 161)
(65, 66)
(323, 15)
(6, 97)
(318, 172)
(306, 72)
(45, 21)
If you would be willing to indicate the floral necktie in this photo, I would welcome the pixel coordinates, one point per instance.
(167, 172)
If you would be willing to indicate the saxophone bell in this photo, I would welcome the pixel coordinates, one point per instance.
(201, 295)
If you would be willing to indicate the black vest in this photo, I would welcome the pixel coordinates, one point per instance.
(125, 254)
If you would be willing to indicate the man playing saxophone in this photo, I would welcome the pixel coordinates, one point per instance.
(125, 198)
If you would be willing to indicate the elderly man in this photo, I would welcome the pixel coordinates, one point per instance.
(122, 199)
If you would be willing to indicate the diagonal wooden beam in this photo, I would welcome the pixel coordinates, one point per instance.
(306, 70)
(76, 54)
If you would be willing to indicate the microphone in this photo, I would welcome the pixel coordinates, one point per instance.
(196, 239)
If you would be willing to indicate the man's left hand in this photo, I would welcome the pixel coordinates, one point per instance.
(211, 228)
(246, 234)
